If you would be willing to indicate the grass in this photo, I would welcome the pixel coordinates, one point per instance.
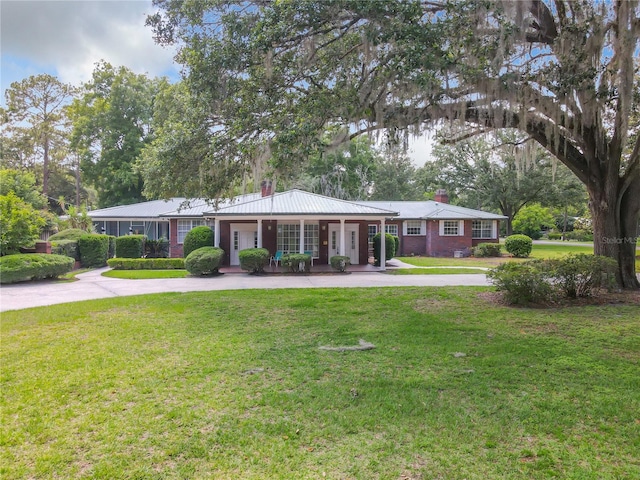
(434, 271)
(233, 385)
(145, 274)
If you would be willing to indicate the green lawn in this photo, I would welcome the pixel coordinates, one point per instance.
(231, 385)
(434, 271)
(145, 274)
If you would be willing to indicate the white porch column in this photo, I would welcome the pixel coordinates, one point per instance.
(383, 246)
(216, 232)
(259, 233)
(342, 235)
(301, 235)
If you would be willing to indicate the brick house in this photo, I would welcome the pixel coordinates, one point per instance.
(298, 221)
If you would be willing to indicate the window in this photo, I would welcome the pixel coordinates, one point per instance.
(312, 239)
(414, 227)
(371, 232)
(185, 226)
(451, 228)
(289, 238)
(137, 227)
(482, 229)
(391, 229)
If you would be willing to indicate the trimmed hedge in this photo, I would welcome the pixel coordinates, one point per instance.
(254, 260)
(196, 238)
(68, 234)
(33, 266)
(146, 263)
(68, 248)
(540, 281)
(296, 262)
(518, 245)
(94, 250)
(130, 246)
(340, 263)
(204, 261)
(487, 250)
(390, 247)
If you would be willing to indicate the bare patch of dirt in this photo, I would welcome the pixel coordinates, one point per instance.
(428, 305)
(625, 297)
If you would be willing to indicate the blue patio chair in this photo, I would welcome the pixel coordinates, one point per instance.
(276, 258)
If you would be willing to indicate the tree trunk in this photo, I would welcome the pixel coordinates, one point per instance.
(615, 221)
(45, 168)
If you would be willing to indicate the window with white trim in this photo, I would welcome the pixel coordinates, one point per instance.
(372, 229)
(391, 229)
(289, 237)
(312, 239)
(482, 229)
(414, 227)
(449, 228)
(185, 226)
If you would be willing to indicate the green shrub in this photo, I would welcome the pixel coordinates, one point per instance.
(580, 236)
(33, 266)
(130, 246)
(156, 248)
(146, 263)
(541, 281)
(396, 245)
(554, 236)
(582, 275)
(196, 238)
(522, 283)
(296, 262)
(94, 250)
(254, 260)
(518, 245)
(390, 247)
(20, 223)
(68, 234)
(487, 250)
(204, 261)
(68, 248)
(340, 263)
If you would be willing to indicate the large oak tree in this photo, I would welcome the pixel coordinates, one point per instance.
(271, 74)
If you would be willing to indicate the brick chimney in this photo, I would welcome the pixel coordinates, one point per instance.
(441, 196)
(265, 186)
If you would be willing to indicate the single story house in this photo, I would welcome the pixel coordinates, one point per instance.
(299, 221)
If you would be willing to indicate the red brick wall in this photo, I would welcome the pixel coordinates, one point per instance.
(363, 243)
(324, 242)
(175, 249)
(438, 246)
(270, 237)
(412, 245)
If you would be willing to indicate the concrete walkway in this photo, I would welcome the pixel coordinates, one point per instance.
(91, 285)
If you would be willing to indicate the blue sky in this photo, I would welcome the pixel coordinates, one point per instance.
(66, 38)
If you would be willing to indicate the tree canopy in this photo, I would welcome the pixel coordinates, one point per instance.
(272, 74)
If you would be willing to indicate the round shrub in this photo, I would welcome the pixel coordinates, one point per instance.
(253, 260)
(94, 250)
(390, 247)
(518, 245)
(340, 263)
(130, 246)
(33, 266)
(204, 261)
(196, 238)
(296, 262)
(68, 234)
(522, 283)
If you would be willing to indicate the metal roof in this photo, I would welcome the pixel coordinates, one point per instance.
(429, 209)
(151, 209)
(298, 202)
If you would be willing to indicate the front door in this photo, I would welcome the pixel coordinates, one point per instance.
(350, 243)
(242, 236)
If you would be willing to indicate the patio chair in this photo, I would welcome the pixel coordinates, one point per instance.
(276, 258)
(311, 255)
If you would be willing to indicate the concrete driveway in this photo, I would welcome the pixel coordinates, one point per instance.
(91, 285)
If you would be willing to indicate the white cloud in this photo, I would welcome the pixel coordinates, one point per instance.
(71, 36)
